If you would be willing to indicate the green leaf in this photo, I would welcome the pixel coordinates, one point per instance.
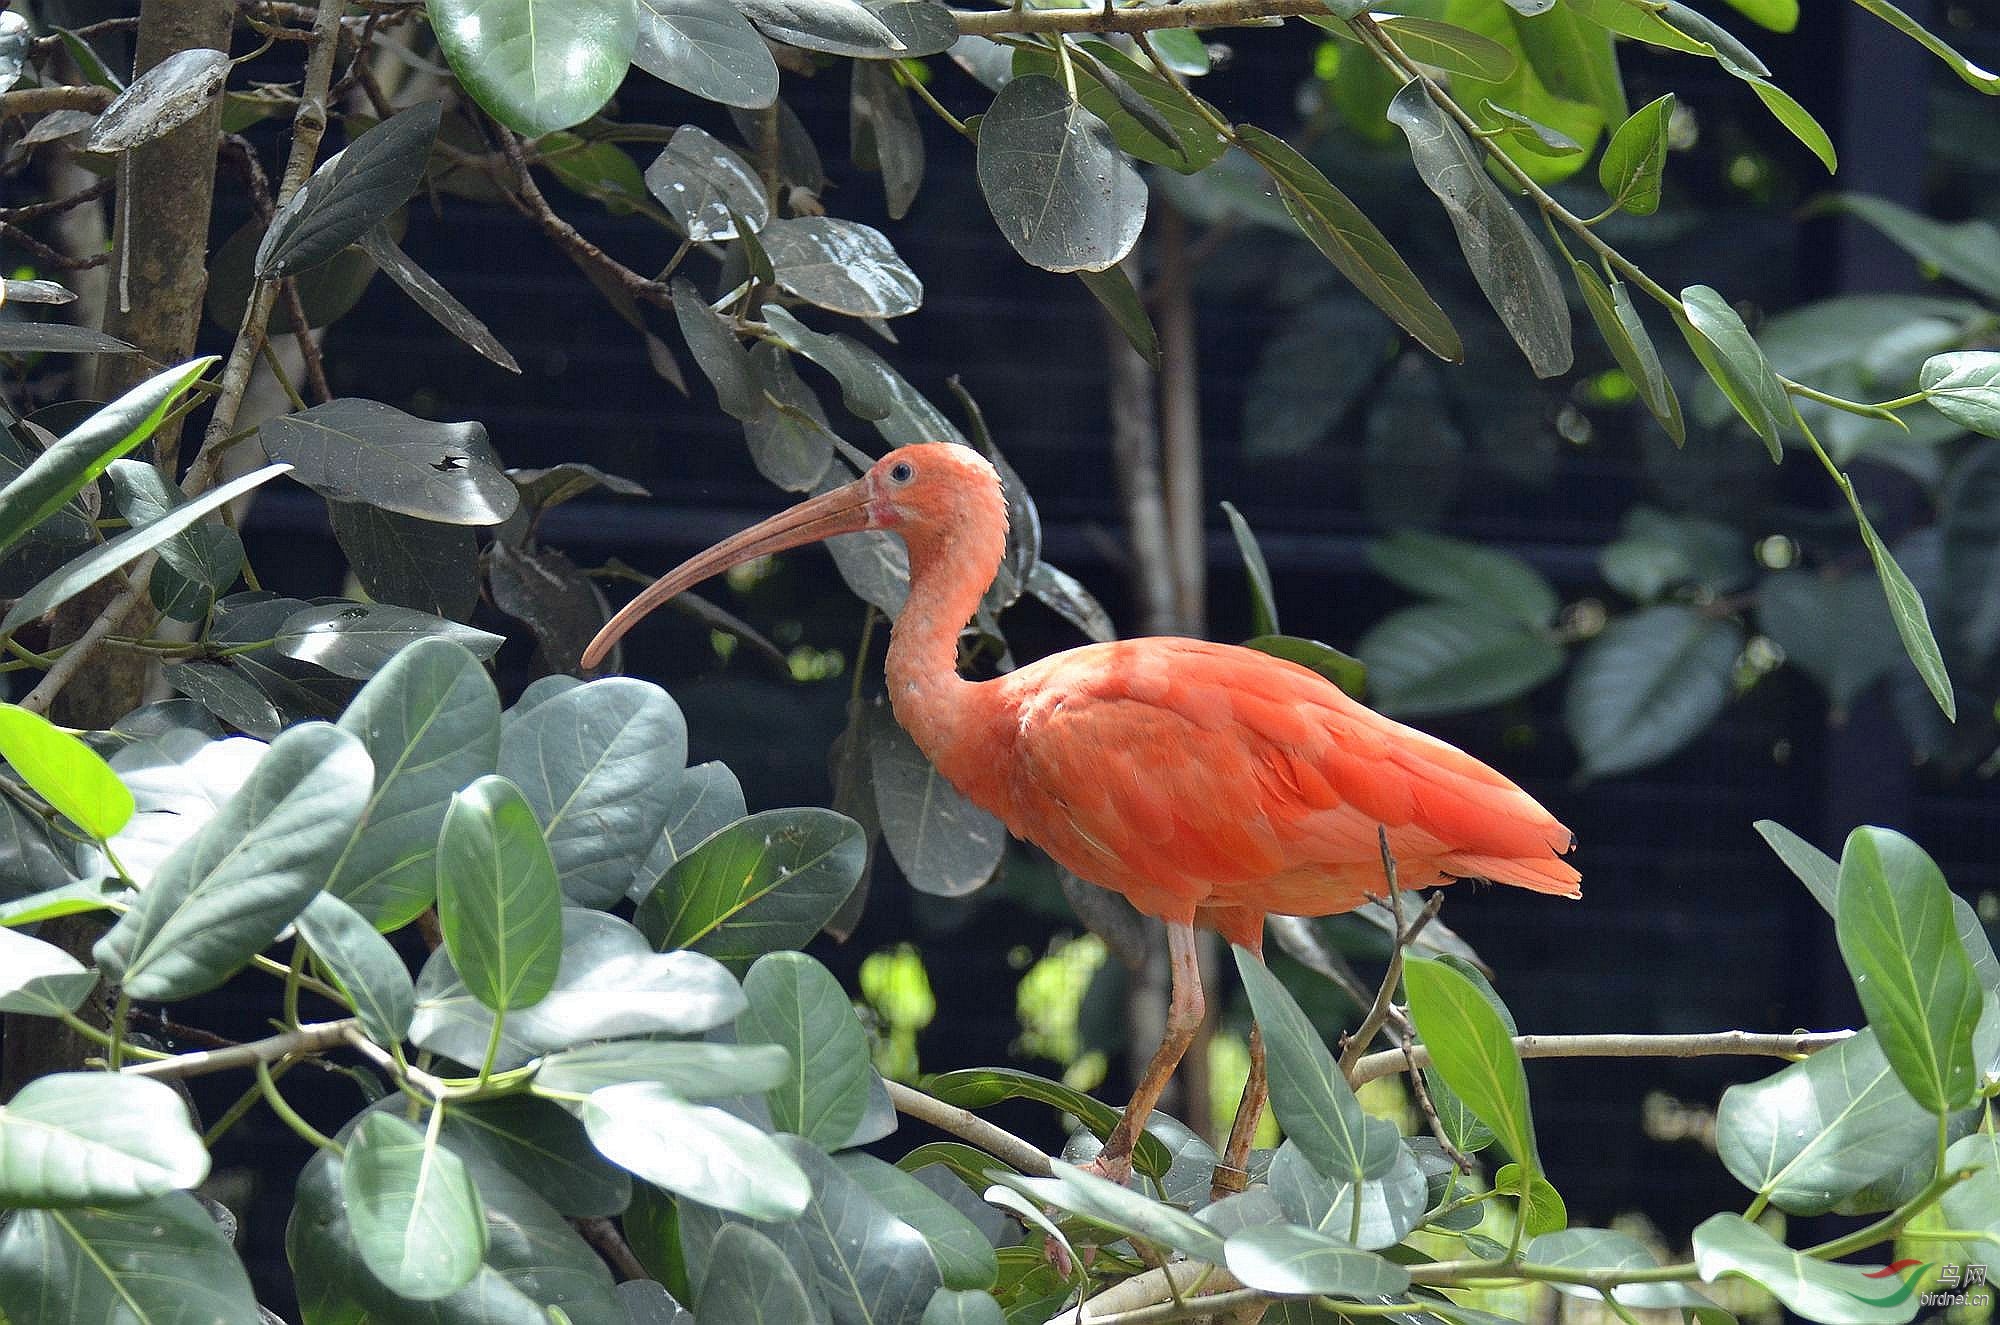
(1310, 1097)
(944, 844)
(689, 1068)
(954, 1307)
(1511, 267)
(882, 128)
(498, 902)
(1448, 658)
(78, 1138)
(1353, 244)
(706, 187)
(1575, 61)
(1970, 73)
(353, 192)
(837, 27)
(1834, 1294)
(1454, 49)
(706, 47)
(1897, 935)
(413, 1208)
(426, 293)
(164, 1259)
(696, 1151)
(964, 1257)
(1913, 622)
(1648, 685)
(195, 566)
(1473, 1051)
(1122, 1210)
(86, 450)
(609, 984)
(1797, 119)
(751, 1282)
(1730, 355)
(1279, 1258)
(872, 1267)
(362, 965)
(357, 640)
(226, 891)
(1371, 1215)
(1345, 671)
(1542, 1210)
(1625, 334)
(1837, 631)
(600, 765)
(843, 266)
(409, 562)
(1655, 551)
(1150, 119)
(537, 1143)
(1263, 602)
(160, 100)
(430, 720)
(538, 65)
(39, 979)
(1604, 1249)
(365, 451)
(1966, 251)
(982, 1087)
(717, 352)
(1114, 292)
(706, 800)
(65, 772)
(1061, 192)
(1635, 157)
(1818, 871)
(1459, 572)
(1975, 1203)
(86, 569)
(763, 883)
(796, 1004)
(1965, 388)
(1811, 1135)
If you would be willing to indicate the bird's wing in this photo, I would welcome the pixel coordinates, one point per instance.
(1202, 767)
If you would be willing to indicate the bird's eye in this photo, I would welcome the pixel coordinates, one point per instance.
(902, 472)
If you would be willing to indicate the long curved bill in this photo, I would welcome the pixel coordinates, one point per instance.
(841, 511)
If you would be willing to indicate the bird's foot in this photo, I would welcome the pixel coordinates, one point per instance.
(1227, 1181)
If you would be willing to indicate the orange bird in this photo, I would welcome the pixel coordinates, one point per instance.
(1211, 785)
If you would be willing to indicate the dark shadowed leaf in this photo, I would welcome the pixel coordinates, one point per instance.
(1149, 118)
(943, 843)
(701, 180)
(412, 563)
(357, 640)
(1716, 334)
(872, 1267)
(160, 100)
(538, 65)
(1459, 572)
(1061, 593)
(600, 764)
(498, 903)
(1967, 252)
(78, 1138)
(1837, 631)
(696, 1151)
(1263, 602)
(413, 1209)
(161, 1259)
(351, 194)
(539, 1144)
(58, 338)
(885, 137)
(1625, 334)
(763, 883)
(1648, 685)
(706, 47)
(544, 590)
(1448, 658)
(363, 450)
(227, 891)
(789, 439)
(1113, 289)
(1353, 244)
(838, 27)
(609, 984)
(1511, 267)
(841, 265)
(720, 356)
(430, 721)
(433, 298)
(750, 1281)
(1081, 213)
(796, 1004)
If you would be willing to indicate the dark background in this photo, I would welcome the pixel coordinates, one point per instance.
(1687, 923)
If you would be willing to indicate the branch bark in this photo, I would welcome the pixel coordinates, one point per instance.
(1191, 14)
(970, 1127)
(1712, 1044)
(308, 1039)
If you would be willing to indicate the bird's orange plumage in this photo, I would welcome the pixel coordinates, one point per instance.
(1209, 784)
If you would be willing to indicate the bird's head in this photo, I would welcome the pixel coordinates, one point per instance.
(929, 493)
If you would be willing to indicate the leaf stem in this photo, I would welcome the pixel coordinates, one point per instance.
(119, 1012)
(915, 84)
(492, 1051)
(288, 1114)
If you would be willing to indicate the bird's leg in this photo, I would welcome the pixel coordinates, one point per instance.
(1184, 1009)
(1232, 1175)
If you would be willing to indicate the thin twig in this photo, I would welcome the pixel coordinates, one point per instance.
(32, 210)
(605, 1239)
(969, 1126)
(49, 257)
(1385, 996)
(1709, 1044)
(568, 238)
(307, 1039)
(78, 652)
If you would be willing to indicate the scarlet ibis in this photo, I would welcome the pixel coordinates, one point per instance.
(1210, 784)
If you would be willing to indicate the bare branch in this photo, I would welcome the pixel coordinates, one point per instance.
(1709, 1044)
(1192, 14)
(308, 1039)
(40, 100)
(569, 239)
(969, 1126)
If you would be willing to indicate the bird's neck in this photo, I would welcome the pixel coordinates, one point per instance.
(947, 580)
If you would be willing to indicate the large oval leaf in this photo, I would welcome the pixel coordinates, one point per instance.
(69, 775)
(159, 1260)
(1834, 1294)
(227, 891)
(600, 764)
(37, 978)
(691, 1069)
(1280, 1258)
(696, 1151)
(707, 798)
(498, 902)
(706, 47)
(964, 1256)
(872, 1268)
(766, 882)
(351, 194)
(750, 1281)
(1439, 658)
(357, 640)
(841, 265)
(1061, 191)
(1648, 685)
(943, 843)
(1461, 572)
(413, 1208)
(538, 1143)
(363, 450)
(538, 65)
(1473, 1051)
(81, 1138)
(796, 1003)
(705, 186)
(363, 965)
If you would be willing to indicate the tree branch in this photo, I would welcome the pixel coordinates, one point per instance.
(1711, 1044)
(969, 1126)
(1191, 14)
(309, 1039)
(1143, 1291)
(41, 100)
(569, 238)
